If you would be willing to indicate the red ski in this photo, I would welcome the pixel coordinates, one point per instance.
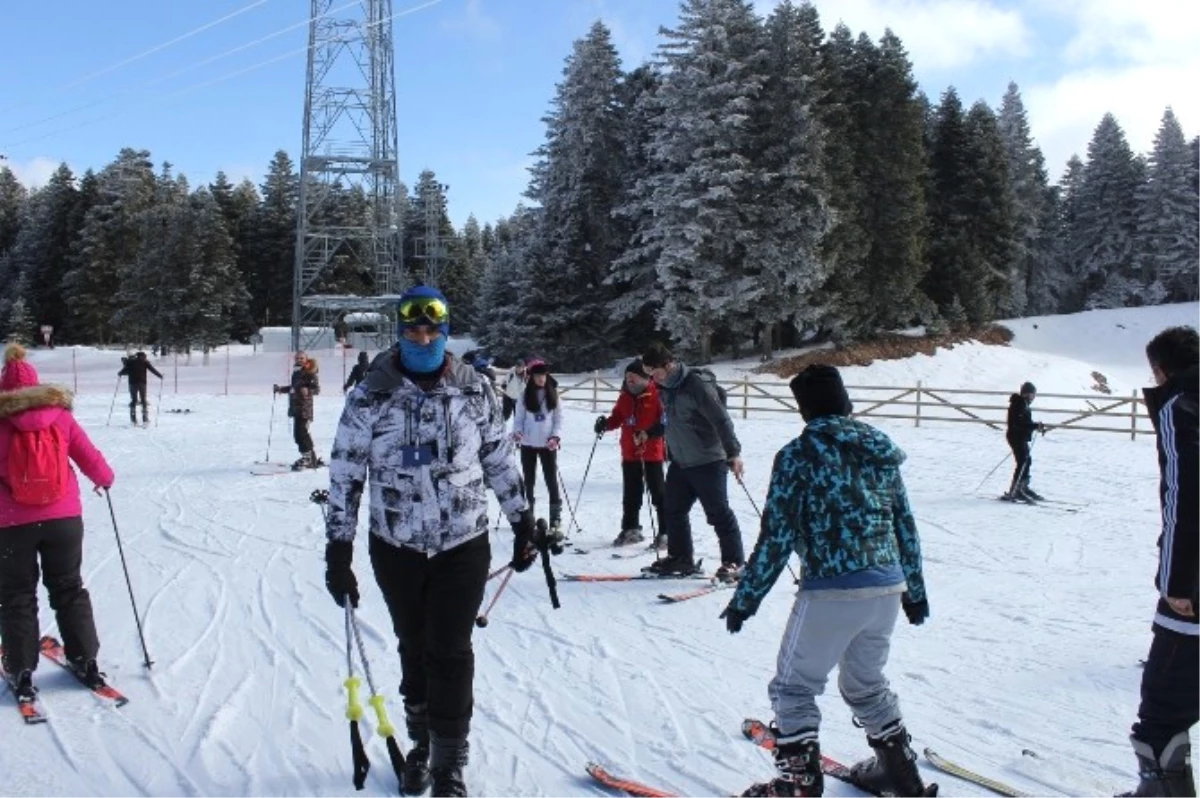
(53, 651)
(629, 786)
(31, 711)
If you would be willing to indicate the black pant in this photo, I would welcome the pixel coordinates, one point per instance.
(59, 544)
(1024, 462)
(509, 406)
(636, 476)
(529, 461)
(1170, 689)
(708, 484)
(137, 395)
(300, 434)
(433, 602)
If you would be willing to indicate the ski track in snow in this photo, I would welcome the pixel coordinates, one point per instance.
(1039, 614)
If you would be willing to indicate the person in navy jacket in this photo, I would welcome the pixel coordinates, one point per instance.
(1170, 703)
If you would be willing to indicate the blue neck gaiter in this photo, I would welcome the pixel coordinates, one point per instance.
(423, 359)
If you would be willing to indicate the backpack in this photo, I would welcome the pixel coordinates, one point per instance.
(706, 375)
(38, 471)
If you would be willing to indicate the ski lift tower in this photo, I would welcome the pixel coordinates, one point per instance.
(431, 247)
(349, 143)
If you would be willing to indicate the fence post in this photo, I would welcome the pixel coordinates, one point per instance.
(917, 421)
(74, 371)
(746, 398)
(595, 391)
(1133, 414)
(176, 371)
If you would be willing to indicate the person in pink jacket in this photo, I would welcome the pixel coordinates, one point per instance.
(38, 435)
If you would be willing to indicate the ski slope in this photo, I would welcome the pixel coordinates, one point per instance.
(1039, 614)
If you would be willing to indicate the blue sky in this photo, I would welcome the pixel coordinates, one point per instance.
(474, 77)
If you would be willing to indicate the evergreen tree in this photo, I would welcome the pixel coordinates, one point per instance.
(1167, 234)
(20, 324)
(12, 198)
(1071, 248)
(703, 195)
(473, 258)
(428, 201)
(1106, 218)
(785, 257)
(991, 218)
(502, 330)
(1029, 198)
(273, 244)
(218, 297)
(578, 180)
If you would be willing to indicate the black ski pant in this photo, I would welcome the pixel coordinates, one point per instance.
(708, 484)
(301, 435)
(1170, 689)
(137, 395)
(58, 544)
(636, 477)
(509, 406)
(529, 462)
(1024, 462)
(433, 602)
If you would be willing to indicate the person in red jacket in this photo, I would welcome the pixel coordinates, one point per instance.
(49, 530)
(638, 413)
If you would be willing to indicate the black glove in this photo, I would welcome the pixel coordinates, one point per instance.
(733, 619)
(524, 552)
(339, 577)
(1042, 428)
(917, 611)
(601, 425)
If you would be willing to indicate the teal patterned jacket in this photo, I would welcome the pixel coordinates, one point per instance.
(837, 500)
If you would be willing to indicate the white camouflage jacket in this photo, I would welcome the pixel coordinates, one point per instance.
(429, 508)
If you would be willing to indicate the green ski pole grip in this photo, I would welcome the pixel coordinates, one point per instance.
(354, 709)
(385, 727)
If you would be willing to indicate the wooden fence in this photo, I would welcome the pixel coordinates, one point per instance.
(920, 404)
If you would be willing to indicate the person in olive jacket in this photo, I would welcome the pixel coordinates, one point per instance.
(303, 387)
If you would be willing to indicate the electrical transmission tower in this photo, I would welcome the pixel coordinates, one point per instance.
(349, 149)
(431, 247)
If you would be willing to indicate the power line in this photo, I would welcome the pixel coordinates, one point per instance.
(205, 84)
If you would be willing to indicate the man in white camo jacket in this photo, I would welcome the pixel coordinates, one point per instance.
(426, 432)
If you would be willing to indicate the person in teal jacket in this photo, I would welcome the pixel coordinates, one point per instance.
(836, 499)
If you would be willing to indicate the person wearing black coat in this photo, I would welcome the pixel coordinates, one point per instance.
(358, 373)
(137, 369)
(1019, 435)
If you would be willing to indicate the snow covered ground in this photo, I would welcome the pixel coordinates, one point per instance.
(1039, 614)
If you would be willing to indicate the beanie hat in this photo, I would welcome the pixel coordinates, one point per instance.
(17, 372)
(819, 392)
(418, 292)
(1028, 387)
(536, 366)
(635, 367)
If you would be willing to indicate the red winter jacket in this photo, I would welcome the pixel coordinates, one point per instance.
(641, 413)
(39, 407)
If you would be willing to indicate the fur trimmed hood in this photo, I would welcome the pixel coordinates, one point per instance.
(37, 397)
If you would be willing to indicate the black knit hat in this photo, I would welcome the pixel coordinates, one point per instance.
(635, 366)
(819, 392)
(1028, 387)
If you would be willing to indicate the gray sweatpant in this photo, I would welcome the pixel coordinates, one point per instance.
(853, 634)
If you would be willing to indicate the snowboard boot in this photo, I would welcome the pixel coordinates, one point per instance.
(798, 760)
(1167, 773)
(416, 762)
(628, 536)
(556, 530)
(893, 769)
(447, 758)
(678, 565)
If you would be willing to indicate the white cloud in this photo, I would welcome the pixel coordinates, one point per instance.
(475, 22)
(1145, 31)
(938, 34)
(33, 173)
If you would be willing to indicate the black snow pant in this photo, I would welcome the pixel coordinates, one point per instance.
(509, 406)
(1024, 462)
(529, 461)
(59, 546)
(708, 484)
(636, 477)
(301, 435)
(137, 395)
(433, 602)
(1170, 689)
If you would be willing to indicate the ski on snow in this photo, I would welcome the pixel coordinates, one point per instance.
(31, 711)
(602, 775)
(957, 770)
(53, 651)
(675, 598)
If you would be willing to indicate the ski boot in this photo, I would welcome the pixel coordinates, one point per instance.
(893, 769)
(798, 760)
(730, 572)
(416, 762)
(1166, 773)
(304, 462)
(678, 565)
(556, 530)
(628, 536)
(447, 758)
(22, 687)
(87, 671)
(660, 542)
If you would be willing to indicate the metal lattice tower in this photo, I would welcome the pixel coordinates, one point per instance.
(431, 247)
(349, 143)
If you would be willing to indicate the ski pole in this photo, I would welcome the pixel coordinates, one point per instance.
(354, 711)
(121, 550)
(760, 518)
(582, 482)
(383, 726)
(542, 544)
(993, 471)
(113, 406)
(158, 407)
(482, 620)
(567, 495)
(271, 425)
(653, 509)
(498, 571)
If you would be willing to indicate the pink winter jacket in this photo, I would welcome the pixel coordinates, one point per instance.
(39, 407)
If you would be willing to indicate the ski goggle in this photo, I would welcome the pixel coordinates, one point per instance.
(424, 309)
